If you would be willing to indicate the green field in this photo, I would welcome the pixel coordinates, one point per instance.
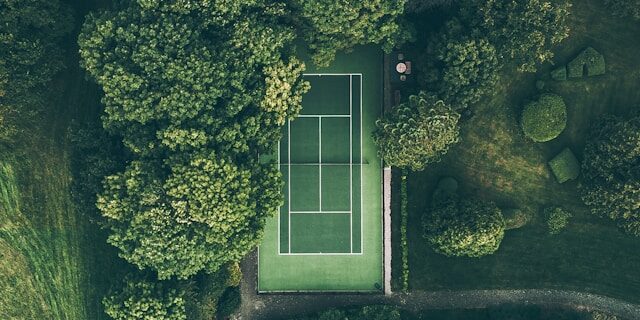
(328, 235)
(494, 161)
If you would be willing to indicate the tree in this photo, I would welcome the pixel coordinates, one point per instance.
(144, 298)
(30, 56)
(197, 90)
(330, 26)
(545, 119)
(460, 69)
(419, 6)
(416, 133)
(625, 8)
(557, 219)
(523, 31)
(611, 171)
(464, 227)
(206, 212)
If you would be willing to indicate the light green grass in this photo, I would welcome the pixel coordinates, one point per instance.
(359, 272)
(495, 162)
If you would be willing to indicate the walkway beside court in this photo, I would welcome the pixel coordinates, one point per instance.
(283, 306)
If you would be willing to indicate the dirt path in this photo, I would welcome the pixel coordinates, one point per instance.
(279, 306)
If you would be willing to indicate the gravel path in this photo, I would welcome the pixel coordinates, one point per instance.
(278, 306)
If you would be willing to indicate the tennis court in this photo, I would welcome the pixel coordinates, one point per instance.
(320, 157)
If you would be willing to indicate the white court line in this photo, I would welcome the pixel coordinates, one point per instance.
(361, 174)
(331, 74)
(289, 184)
(320, 162)
(351, 162)
(294, 212)
(321, 254)
(279, 209)
(324, 116)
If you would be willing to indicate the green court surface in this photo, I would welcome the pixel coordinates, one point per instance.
(328, 234)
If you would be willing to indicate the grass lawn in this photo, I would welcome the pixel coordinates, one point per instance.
(494, 161)
(55, 264)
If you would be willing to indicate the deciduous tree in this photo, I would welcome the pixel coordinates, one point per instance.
(416, 133)
(611, 172)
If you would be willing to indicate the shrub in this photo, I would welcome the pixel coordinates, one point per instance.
(143, 298)
(374, 312)
(464, 227)
(611, 171)
(404, 213)
(229, 302)
(557, 219)
(588, 61)
(515, 218)
(625, 8)
(545, 119)
(565, 166)
(416, 133)
(598, 315)
(559, 74)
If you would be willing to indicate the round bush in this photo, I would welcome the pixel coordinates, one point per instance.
(545, 119)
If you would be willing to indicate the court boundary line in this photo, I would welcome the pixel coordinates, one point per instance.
(351, 163)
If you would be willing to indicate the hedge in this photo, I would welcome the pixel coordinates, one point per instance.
(404, 213)
(565, 166)
(545, 119)
(588, 60)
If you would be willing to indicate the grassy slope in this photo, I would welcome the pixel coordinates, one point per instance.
(494, 161)
(55, 264)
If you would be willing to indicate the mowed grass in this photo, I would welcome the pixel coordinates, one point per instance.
(494, 161)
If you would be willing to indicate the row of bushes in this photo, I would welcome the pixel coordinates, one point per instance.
(404, 212)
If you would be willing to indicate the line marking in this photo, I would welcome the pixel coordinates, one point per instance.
(324, 116)
(320, 161)
(351, 162)
(294, 212)
(331, 74)
(289, 184)
(361, 174)
(279, 208)
(320, 254)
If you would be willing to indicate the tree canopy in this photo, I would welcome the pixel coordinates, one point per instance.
(464, 227)
(197, 90)
(611, 171)
(143, 298)
(416, 133)
(330, 26)
(625, 8)
(523, 31)
(459, 68)
(544, 119)
(30, 55)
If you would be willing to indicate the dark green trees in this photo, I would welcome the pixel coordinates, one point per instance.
(197, 90)
(417, 133)
(464, 227)
(463, 68)
(142, 298)
(330, 26)
(611, 172)
(523, 31)
(624, 8)
(29, 56)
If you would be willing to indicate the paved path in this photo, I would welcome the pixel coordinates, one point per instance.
(279, 306)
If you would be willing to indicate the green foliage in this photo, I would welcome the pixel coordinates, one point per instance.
(543, 120)
(559, 74)
(461, 69)
(404, 215)
(331, 26)
(588, 60)
(30, 56)
(625, 8)
(373, 312)
(523, 31)
(196, 90)
(464, 227)
(207, 292)
(145, 299)
(557, 219)
(565, 166)
(598, 315)
(515, 218)
(416, 133)
(229, 302)
(207, 212)
(611, 171)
